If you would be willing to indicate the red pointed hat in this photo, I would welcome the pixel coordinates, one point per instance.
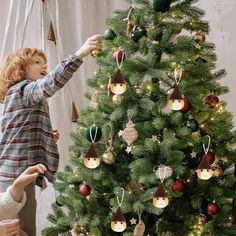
(118, 78)
(91, 152)
(176, 95)
(160, 191)
(118, 216)
(204, 164)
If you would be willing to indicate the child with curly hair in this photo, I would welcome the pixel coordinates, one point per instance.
(28, 137)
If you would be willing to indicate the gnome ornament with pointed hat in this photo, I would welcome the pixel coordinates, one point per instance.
(118, 222)
(176, 100)
(160, 198)
(204, 170)
(91, 159)
(117, 86)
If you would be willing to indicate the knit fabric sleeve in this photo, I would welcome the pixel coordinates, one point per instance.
(9, 208)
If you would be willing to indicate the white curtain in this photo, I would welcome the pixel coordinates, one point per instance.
(25, 23)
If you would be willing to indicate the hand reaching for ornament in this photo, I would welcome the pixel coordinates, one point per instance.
(92, 43)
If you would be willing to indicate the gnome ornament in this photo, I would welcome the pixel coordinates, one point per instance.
(91, 159)
(118, 222)
(176, 100)
(117, 85)
(160, 199)
(204, 170)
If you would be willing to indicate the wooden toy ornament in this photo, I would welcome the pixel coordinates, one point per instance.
(118, 222)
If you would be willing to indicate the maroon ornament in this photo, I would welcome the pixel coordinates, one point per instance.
(178, 186)
(212, 100)
(119, 55)
(84, 189)
(210, 157)
(212, 208)
(187, 106)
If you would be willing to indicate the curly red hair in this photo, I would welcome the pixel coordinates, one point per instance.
(14, 68)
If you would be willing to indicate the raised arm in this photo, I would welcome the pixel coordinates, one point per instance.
(44, 88)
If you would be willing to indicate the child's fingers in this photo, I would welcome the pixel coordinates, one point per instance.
(97, 37)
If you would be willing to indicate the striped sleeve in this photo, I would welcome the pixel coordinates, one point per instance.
(41, 89)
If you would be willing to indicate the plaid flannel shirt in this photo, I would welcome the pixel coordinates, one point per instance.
(27, 132)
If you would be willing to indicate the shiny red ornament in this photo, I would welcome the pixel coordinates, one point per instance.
(212, 208)
(212, 100)
(119, 56)
(187, 106)
(84, 189)
(178, 186)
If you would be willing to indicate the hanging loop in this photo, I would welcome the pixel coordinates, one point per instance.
(122, 198)
(206, 150)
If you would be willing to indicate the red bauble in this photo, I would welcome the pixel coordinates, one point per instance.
(210, 157)
(119, 55)
(212, 208)
(187, 106)
(178, 186)
(84, 189)
(212, 101)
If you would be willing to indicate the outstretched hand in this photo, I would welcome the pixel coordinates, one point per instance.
(30, 174)
(92, 43)
(26, 177)
(9, 227)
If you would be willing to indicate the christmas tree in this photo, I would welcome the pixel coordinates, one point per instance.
(153, 151)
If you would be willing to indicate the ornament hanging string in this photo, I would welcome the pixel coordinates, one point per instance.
(133, 2)
(109, 139)
(95, 136)
(139, 215)
(162, 176)
(119, 64)
(177, 78)
(208, 146)
(122, 198)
